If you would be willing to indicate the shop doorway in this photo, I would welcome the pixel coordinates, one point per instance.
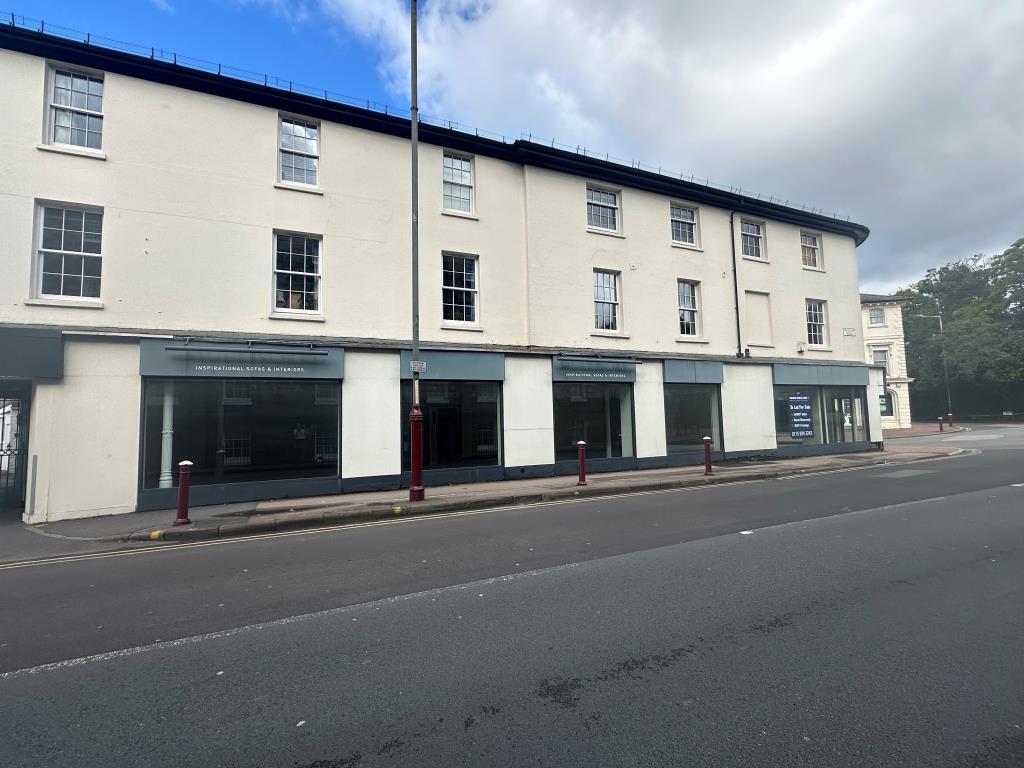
(461, 424)
(844, 416)
(13, 453)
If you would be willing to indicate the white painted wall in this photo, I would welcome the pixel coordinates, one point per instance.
(188, 247)
(748, 408)
(757, 320)
(874, 390)
(790, 284)
(890, 335)
(85, 432)
(649, 405)
(562, 254)
(190, 224)
(528, 411)
(371, 418)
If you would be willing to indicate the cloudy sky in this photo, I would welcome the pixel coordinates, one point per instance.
(906, 115)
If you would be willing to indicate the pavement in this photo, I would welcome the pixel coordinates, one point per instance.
(229, 520)
(849, 618)
(919, 428)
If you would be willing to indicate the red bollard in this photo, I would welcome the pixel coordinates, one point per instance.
(416, 492)
(581, 448)
(707, 456)
(184, 477)
(941, 428)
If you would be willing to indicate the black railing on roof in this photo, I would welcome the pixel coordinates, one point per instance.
(273, 81)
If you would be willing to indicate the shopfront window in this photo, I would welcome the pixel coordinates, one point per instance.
(691, 413)
(461, 423)
(886, 403)
(240, 430)
(811, 415)
(597, 412)
(844, 414)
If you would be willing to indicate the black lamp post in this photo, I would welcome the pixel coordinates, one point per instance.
(945, 368)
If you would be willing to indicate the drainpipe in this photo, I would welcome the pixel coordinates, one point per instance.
(735, 283)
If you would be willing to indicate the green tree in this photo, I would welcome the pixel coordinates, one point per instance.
(1007, 271)
(981, 302)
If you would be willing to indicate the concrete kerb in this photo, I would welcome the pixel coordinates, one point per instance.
(350, 513)
(931, 433)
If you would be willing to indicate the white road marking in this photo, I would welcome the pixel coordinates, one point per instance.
(300, 618)
(378, 604)
(745, 533)
(883, 508)
(971, 438)
(170, 547)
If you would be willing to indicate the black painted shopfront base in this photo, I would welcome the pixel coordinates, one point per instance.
(436, 477)
(230, 493)
(794, 451)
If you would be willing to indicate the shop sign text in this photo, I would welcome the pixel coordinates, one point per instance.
(801, 419)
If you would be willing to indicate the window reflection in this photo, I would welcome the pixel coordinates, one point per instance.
(240, 430)
(461, 423)
(691, 413)
(599, 413)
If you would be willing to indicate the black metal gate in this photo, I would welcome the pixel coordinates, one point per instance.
(13, 450)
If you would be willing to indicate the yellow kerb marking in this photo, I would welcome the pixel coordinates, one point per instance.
(396, 509)
(155, 535)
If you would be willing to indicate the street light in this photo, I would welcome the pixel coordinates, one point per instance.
(945, 368)
(415, 414)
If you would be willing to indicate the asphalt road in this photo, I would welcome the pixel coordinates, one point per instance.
(865, 618)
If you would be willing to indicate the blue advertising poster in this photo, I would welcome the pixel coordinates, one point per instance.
(801, 421)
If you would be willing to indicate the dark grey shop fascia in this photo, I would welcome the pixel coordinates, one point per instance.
(564, 368)
(456, 366)
(224, 360)
(693, 372)
(796, 374)
(31, 353)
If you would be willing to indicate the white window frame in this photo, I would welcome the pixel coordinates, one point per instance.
(695, 309)
(889, 394)
(282, 117)
(616, 209)
(887, 349)
(819, 261)
(319, 275)
(473, 292)
(762, 240)
(823, 344)
(51, 106)
(471, 186)
(695, 210)
(615, 302)
(872, 323)
(39, 254)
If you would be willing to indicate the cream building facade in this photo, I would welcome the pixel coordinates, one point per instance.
(202, 268)
(885, 346)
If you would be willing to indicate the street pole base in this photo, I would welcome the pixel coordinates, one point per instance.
(186, 521)
(416, 493)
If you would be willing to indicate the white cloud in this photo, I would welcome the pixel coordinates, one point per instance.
(905, 116)
(294, 12)
(164, 5)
